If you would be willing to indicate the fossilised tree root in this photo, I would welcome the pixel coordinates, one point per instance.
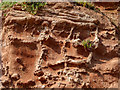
(57, 63)
(42, 57)
(96, 40)
(76, 62)
(82, 61)
(71, 33)
(68, 38)
(95, 43)
(90, 57)
(70, 61)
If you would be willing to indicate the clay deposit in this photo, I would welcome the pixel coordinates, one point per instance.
(46, 50)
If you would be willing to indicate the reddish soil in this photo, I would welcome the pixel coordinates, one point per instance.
(46, 51)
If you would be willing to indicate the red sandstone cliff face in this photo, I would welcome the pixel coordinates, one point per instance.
(46, 51)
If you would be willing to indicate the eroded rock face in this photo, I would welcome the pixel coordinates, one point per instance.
(46, 50)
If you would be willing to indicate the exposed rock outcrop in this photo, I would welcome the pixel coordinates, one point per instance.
(47, 50)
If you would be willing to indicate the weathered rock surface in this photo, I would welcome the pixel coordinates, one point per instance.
(46, 51)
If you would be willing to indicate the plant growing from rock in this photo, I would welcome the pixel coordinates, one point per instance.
(86, 4)
(87, 44)
(6, 5)
(31, 7)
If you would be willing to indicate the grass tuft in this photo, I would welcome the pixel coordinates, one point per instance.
(88, 5)
(31, 7)
(87, 44)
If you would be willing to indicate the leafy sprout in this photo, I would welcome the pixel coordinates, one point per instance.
(6, 5)
(31, 7)
(87, 44)
(86, 4)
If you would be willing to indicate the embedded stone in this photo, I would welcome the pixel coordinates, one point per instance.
(15, 76)
(38, 73)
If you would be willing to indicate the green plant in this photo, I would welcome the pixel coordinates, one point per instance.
(87, 44)
(31, 7)
(4, 14)
(6, 5)
(86, 4)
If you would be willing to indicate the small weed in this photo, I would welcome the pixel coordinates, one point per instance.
(31, 7)
(88, 5)
(4, 14)
(6, 5)
(87, 44)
